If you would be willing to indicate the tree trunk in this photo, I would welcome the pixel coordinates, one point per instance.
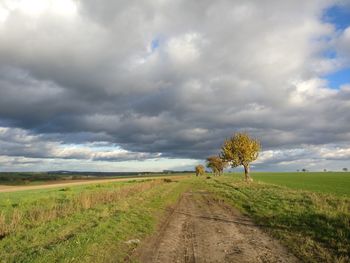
(246, 173)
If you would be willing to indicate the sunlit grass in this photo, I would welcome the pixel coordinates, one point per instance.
(90, 223)
(83, 224)
(315, 226)
(323, 182)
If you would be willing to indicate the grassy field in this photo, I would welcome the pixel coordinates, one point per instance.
(323, 182)
(314, 226)
(40, 178)
(81, 224)
(93, 223)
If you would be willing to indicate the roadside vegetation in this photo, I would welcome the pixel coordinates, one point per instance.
(241, 149)
(200, 170)
(82, 224)
(314, 226)
(216, 164)
(105, 222)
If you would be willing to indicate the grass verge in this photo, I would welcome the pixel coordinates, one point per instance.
(314, 226)
(101, 219)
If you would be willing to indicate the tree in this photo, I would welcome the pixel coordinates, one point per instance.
(216, 164)
(345, 169)
(241, 149)
(200, 170)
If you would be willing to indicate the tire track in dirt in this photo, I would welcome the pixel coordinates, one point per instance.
(202, 229)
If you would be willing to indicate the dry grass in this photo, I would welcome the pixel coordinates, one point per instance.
(18, 219)
(3, 226)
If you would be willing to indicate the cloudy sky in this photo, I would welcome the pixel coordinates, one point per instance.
(159, 84)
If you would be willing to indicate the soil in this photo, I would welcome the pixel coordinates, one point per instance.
(202, 229)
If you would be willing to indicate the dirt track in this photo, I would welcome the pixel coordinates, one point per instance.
(53, 184)
(201, 229)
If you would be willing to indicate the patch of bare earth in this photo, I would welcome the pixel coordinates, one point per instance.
(201, 229)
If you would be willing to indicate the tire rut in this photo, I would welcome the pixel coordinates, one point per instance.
(202, 229)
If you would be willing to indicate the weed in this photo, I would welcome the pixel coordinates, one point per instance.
(167, 180)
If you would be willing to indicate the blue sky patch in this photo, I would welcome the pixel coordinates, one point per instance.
(330, 53)
(338, 15)
(155, 44)
(339, 78)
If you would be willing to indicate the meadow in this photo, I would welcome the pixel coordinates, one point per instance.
(323, 182)
(104, 222)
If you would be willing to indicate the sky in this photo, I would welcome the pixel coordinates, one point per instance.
(150, 85)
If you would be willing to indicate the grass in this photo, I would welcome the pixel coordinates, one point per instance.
(309, 213)
(326, 182)
(82, 224)
(314, 226)
(28, 178)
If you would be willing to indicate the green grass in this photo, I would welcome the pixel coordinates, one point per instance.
(314, 226)
(309, 213)
(325, 182)
(93, 226)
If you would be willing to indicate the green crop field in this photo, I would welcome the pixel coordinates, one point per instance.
(92, 223)
(324, 182)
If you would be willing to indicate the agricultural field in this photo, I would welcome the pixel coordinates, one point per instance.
(133, 220)
(323, 182)
(44, 178)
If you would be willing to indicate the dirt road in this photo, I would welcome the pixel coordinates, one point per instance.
(201, 229)
(53, 184)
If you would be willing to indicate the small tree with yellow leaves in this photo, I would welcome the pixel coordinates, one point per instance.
(216, 164)
(241, 149)
(200, 170)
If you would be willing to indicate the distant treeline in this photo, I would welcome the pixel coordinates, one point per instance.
(25, 178)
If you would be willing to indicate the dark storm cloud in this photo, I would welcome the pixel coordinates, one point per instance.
(91, 74)
(18, 142)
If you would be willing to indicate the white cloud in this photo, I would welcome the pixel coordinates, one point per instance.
(311, 90)
(184, 48)
(36, 8)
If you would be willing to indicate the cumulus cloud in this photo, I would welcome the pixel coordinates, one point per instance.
(168, 79)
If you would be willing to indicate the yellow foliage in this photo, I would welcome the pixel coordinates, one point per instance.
(216, 164)
(241, 149)
(200, 170)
